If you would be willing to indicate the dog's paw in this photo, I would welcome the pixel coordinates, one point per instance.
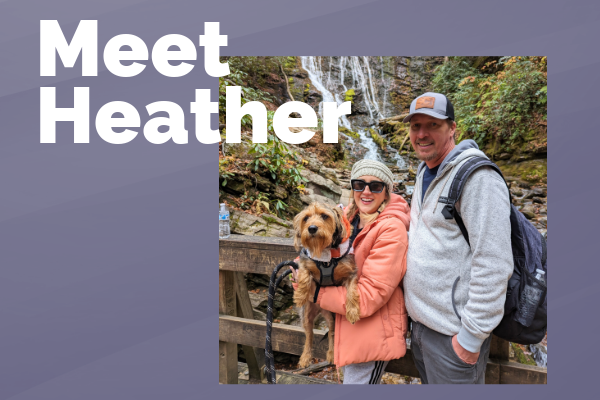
(305, 360)
(352, 315)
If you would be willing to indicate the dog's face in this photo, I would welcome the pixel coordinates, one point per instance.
(317, 227)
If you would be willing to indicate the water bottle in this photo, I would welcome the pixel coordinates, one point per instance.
(530, 298)
(224, 232)
(540, 276)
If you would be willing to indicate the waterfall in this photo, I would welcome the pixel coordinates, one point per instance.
(333, 87)
(312, 65)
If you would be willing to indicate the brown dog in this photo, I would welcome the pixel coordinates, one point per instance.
(320, 228)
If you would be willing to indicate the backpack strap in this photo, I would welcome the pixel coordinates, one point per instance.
(457, 185)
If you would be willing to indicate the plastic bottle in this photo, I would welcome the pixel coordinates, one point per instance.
(224, 231)
(530, 298)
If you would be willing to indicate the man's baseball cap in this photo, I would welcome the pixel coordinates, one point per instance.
(435, 105)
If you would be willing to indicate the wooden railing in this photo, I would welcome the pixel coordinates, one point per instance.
(241, 254)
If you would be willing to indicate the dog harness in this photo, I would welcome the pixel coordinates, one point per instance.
(327, 268)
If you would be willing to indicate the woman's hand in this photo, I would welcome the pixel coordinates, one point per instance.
(294, 279)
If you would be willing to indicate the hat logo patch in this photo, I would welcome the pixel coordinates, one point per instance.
(425, 102)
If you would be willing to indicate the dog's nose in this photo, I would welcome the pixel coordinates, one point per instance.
(312, 229)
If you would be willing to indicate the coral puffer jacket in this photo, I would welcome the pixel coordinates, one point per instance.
(380, 254)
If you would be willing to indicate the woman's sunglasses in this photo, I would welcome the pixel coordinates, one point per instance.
(358, 185)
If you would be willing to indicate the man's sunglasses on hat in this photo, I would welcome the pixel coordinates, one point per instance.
(358, 185)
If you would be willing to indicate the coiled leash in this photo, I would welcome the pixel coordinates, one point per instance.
(273, 284)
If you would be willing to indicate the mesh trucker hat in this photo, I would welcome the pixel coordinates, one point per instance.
(435, 105)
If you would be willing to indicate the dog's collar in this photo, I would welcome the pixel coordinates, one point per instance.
(328, 253)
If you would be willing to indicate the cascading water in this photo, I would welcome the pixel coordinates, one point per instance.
(312, 65)
(355, 73)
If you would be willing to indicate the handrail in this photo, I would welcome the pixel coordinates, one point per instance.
(252, 254)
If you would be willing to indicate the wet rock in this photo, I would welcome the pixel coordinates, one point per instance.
(543, 221)
(516, 192)
(543, 210)
(503, 156)
(528, 194)
(541, 192)
(540, 354)
(525, 185)
(538, 200)
(528, 211)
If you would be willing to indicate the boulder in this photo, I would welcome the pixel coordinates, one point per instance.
(330, 174)
(264, 225)
(322, 186)
(310, 196)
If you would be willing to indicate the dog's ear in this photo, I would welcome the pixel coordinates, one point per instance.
(340, 228)
(297, 232)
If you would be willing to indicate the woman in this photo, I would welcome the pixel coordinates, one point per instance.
(381, 219)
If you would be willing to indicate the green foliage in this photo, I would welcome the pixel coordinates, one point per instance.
(348, 132)
(507, 104)
(247, 72)
(275, 157)
(349, 96)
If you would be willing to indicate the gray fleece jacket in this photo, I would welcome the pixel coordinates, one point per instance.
(438, 253)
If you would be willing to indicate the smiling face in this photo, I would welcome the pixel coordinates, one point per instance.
(431, 138)
(368, 202)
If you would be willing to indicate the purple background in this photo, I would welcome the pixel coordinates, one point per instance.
(108, 253)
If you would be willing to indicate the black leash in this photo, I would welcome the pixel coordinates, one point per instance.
(273, 284)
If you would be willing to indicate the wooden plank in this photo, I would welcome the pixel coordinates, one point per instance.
(257, 242)
(290, 339)
(258, 261)
(228, 363)
(492, 372)
(515, 373)
(255, 357)
(227, 349)
(284, 338)
(287, 378)
(499, 348)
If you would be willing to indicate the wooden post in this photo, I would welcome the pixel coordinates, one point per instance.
(228, 372)
(255, 358)
(499, 349)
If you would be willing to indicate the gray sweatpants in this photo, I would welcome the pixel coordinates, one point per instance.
(438, 363)
(368, 373)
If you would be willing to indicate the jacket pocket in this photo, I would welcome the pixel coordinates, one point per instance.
(386, 320)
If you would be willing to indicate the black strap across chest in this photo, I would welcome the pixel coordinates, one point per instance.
(327, 269)
(458, 182)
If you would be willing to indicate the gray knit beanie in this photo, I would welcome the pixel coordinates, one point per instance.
(373, 168)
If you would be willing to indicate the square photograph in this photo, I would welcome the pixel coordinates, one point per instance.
(413, 250)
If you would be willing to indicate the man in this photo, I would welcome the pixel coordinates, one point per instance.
(454, 291)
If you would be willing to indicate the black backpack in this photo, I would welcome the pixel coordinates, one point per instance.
(525, 309)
